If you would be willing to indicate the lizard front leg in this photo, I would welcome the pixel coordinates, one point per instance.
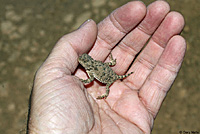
(90, 79)
(112, 61)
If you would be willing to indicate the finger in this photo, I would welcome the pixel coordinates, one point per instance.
(114, 27)
(127, 49)
(148, 58)
(79, 41)
(158, 83)
(65, 53)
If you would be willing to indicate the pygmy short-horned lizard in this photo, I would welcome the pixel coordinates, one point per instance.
(101, 71)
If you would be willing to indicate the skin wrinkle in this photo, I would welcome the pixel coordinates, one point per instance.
(88, 125)
(158, 42)
(107, 113)
(133, 85)
(120, 117)
(168, 81)
(47, 89)
(67, 45)
(54, 85)
(142, 29)
(49, 106)
(130, 83)
(132, 123)
(72, 68)
(62, 115)
(116, 24)
(127, 48)
(168, 67)
(160, 85)
(57, 115)
(108, 126)
(69, 66)
(39, 75)
(147, 53)
(153, 110)
(105, 44)
(154, 45)
(107, 36)
(76, 49)
(46, 108)
(148, 107)
(150, 119)
(79, 102)
(52, 58)
(147, 64)
(49, 72)
(123, 127)
(41, 85)
(72, 45)
(140, 35)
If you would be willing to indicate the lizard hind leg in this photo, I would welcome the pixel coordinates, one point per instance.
(104, 96)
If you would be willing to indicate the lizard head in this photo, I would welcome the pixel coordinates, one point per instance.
(85, 60)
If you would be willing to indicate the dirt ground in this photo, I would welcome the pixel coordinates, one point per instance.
(29, 30)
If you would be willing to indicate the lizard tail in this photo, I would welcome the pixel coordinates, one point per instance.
(123, 76)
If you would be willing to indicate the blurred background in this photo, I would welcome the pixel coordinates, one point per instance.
(30, 29)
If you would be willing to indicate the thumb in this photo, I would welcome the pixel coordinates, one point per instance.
(66, 51)
(81, 40)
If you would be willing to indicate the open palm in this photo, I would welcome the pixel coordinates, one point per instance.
(62, 104)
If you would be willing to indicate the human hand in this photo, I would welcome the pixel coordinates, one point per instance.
(61, 104)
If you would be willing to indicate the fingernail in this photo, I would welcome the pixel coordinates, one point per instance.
(85, 23)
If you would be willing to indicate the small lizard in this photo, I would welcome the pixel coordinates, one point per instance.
(101, 71)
